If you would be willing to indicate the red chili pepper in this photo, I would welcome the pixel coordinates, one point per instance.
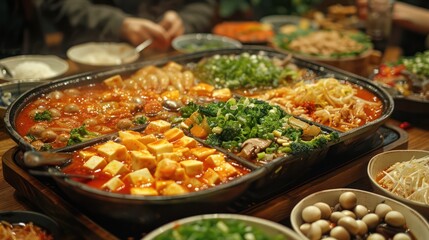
(405, 125)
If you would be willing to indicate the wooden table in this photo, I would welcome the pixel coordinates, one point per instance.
(418, 139)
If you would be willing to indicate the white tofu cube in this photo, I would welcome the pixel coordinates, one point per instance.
(161, 184)
(114, 81)
(140, 177)
(112, 151)
(114, 168)
(146, 139)
(166, 169)
(142, 159)
(143, 191)
(160, 146)
(185, 141)
(211, 177)
(225, 171)
(95, 162)
(86, 154)
(193, 184)
(202, 152)
(114, 184)
(173, 189)
(176, 156)
(215, 160)
(158, 126)
(192, 167)
(131, 140)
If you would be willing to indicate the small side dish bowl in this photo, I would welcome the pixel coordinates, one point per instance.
(190, 43)
(9, 91)
(383, 161)
(268, 228)
(38, 220)
(34, 67)
(343, 207)
(102, 54)
(288, 23)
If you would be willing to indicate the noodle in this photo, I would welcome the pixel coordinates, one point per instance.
(27, 231)
(328, 101)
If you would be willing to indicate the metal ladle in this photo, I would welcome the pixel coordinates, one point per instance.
(37, 159)
(137, 49)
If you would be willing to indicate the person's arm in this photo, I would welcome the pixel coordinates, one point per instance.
(109, 21)
(198, 16)
(84, 14)
(411, 17)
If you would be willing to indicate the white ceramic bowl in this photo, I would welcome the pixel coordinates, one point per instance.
(189, 43)
(9, 91)
(34, 67)
(384, 160)
(270, 228)
(415, 222)
(102, 54)
(279, 22)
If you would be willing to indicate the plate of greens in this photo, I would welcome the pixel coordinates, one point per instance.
(408, 82)
(325, 44)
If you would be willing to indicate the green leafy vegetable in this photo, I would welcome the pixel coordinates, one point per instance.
(237, 120)
(46, 147)
(418, 64)
(140, 120)
(239, 71)
(43, 116)
(207, 229)
(80, 134)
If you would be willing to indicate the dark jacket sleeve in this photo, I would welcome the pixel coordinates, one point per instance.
(198, 16)
(83, 14)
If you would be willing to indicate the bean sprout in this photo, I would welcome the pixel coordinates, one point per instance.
(409, 179)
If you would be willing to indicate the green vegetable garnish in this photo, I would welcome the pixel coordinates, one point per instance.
(140, 120)
(239, 71)
(43, 116)
(237, 120)
(80, 134)
(418, 64)
(208, 229)
(46, 147)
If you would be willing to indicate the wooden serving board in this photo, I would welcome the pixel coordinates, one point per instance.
(273, 205)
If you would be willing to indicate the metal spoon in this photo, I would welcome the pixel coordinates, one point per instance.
(5, 71)
(37, 159)
(59, 174)
(137, 49)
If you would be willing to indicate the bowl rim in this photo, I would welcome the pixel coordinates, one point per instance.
(39, 219)
(241, 217)
(64, 66)
(374, 183)
(24, 82)
(71, 51)
(299, 206)
(203, 36)
(275, 18)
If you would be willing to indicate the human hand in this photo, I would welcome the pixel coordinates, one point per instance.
(137, 30)
(172, 24)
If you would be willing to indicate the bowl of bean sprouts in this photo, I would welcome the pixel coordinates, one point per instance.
(402, 175)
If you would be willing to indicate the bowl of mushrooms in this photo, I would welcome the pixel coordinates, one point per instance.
(356, 214)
